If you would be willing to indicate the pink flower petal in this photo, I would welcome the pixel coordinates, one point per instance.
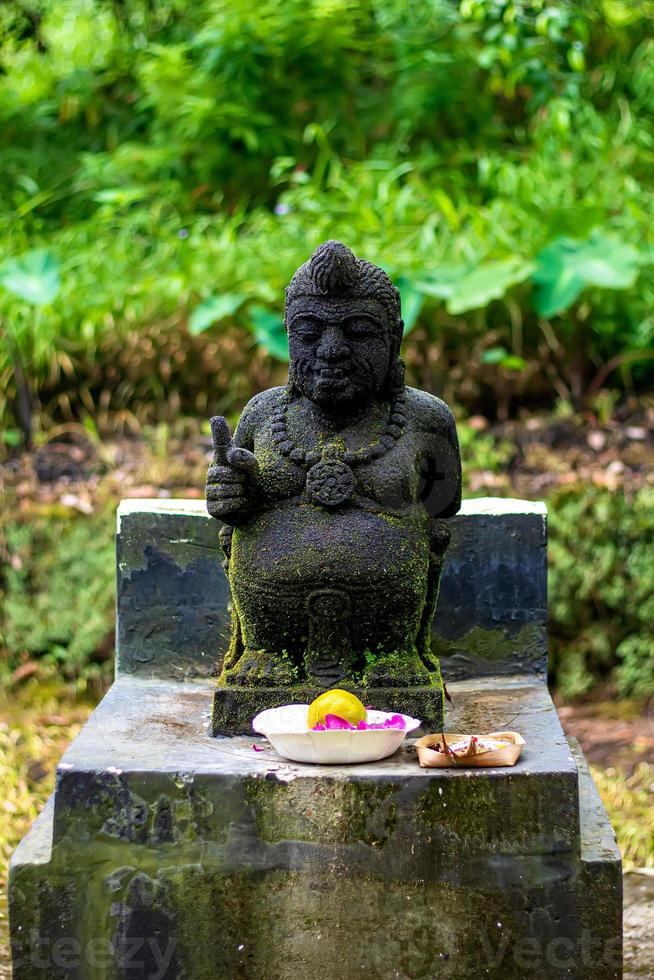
(257, 748)
(336, 723)
(395, 721)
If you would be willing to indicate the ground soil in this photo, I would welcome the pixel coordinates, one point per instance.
(613, 734)
(638, 926)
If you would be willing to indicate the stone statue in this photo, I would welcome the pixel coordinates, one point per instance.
(333, 493)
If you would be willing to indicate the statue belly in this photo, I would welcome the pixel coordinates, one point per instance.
(369, 570)
(307, 546)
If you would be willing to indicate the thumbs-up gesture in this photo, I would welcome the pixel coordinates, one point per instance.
(230, 474)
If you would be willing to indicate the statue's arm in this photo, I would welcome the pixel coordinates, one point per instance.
(440, 477)
(452, 440)
(441, 496)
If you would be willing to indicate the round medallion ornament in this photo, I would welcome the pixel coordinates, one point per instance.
(330, 482)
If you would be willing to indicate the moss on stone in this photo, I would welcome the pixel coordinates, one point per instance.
(499, 816)
(164, 811)
(492, 645)
(138, 531)
(326, 811)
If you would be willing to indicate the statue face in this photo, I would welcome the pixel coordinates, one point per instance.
(339, 350)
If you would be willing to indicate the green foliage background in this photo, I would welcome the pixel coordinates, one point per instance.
(167, 165)
(601, 599)
(58, 593)
(495, 155)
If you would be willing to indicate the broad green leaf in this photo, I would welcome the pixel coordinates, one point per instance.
(501, 356)
(269, 332)
(412, 300)
(213, 309)
(494, 355)
(558, 293)
(442, 283)
(10, 437)
(514, 363)
(566, 266)
(33, 277)
(487, 282)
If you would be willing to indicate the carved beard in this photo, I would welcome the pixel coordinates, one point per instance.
(349, 381)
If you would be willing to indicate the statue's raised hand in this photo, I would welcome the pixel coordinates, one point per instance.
(230, 476)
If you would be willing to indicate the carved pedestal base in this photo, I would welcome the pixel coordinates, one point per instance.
(235, 707)
(166, 853)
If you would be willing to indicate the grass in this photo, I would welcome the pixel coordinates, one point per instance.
(37, 722)
(628, 802)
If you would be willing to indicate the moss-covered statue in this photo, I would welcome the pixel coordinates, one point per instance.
(333, 491)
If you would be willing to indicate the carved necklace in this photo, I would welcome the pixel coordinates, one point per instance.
(330, 480)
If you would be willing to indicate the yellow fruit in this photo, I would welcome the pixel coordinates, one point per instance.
(336, 702)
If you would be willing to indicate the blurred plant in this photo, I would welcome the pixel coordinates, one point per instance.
(182, 160)
(482, 451)
(57, 590)
(601, 600)
(269, 332)
(565, 267)
(628, 801)
(33, 278)
(212, 310)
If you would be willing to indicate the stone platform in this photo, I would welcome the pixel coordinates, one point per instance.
(166, 853)
(206, 859)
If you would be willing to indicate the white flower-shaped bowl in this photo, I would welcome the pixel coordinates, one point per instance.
(286, 728)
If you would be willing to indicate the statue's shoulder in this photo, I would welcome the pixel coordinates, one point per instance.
(256, 414)
(262, 404)
(427, 411)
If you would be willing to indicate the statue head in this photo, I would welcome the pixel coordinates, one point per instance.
(344, 326)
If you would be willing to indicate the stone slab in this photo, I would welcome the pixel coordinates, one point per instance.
(601, 938)
(234, 707)
(168, 853)
(491, 617)
(169, 915)
(173, 596)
